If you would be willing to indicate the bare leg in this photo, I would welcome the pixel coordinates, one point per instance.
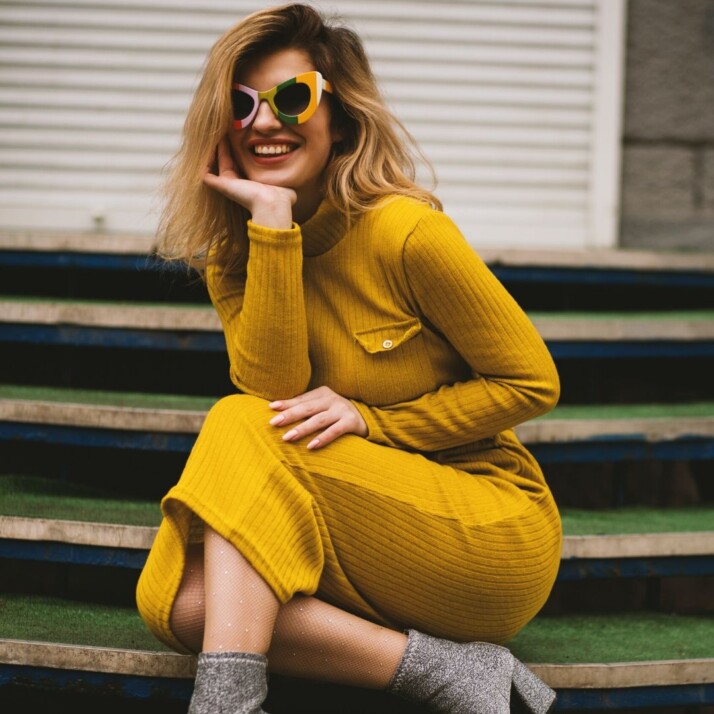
(239, 613)
(240, 606)
(312, 639)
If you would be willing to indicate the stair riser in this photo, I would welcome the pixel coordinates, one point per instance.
(598, 450)
(574, 569)
(200, 341)
(118, 276)
(287, 699)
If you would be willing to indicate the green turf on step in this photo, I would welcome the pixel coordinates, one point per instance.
(107, 398)
(44, 619)
(625, 316)
(37, 497)
(578, 522)
(200, 403)
(631, 411)
(628, 637)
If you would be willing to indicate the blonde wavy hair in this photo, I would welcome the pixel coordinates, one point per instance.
(376, 158)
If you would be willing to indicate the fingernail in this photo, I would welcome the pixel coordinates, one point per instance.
(279, 419)
(275, 405)
(313, 444)
(290, 435)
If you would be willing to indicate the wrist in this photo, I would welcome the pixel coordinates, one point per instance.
(276, 214)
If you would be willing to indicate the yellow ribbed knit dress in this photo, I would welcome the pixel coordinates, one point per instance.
(439, 519)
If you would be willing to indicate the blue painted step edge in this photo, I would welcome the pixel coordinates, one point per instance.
(156, 688)
(570, 569)
(509, 274)
(601, 449)
(199, 341)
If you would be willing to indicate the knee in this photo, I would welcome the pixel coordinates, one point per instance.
(240, 408)
(237, 423)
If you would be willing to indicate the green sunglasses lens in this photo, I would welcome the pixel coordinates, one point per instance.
(293, 99)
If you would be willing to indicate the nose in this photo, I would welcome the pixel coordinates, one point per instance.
(265, 119)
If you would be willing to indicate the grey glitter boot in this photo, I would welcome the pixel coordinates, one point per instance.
(229, 683)
(469, 678)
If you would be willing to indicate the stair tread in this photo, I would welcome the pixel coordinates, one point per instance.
(32, 301)
(49, 619)
(637, 519)
(37, 508)
(143, 400)
(619, 258)
(563, 639)
(77, 242)
(46, 498)
(624, 637)
(631, 411)
(175, 414)
(601, 258)
(109, 314)
(148, 400)
(679, 325)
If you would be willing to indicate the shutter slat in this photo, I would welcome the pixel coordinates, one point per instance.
(79, 180)
(389, 70)
(88, 141)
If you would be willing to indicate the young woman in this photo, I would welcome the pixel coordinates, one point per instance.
(361, 511)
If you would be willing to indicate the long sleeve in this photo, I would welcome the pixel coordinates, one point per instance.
(262, 312)
(514, 377)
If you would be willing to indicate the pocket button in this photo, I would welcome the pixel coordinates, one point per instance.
(387, 344)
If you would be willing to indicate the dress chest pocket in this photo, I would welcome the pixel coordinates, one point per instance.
(387, 337)
(390, 360)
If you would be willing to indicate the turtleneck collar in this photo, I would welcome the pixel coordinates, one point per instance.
(323, 230)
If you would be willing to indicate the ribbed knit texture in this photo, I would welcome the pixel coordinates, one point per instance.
(399, 314)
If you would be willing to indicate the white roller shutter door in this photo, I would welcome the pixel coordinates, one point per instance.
(516, 103)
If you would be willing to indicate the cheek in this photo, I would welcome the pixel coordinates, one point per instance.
(322, 141)
(236, 150)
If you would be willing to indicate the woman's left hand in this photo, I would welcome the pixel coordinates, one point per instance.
(323, 411)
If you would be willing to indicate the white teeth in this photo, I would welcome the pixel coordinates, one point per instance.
(270, 149)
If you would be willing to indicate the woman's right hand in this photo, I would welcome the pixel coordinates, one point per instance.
(269, 206)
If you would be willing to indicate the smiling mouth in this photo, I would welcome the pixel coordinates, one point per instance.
(272, 149)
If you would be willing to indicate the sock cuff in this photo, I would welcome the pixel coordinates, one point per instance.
(249, 658)
(396, 681)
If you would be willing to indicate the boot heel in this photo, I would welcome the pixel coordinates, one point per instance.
(533, 691)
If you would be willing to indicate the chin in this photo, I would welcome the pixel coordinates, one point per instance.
(270, 178)
(267, 180)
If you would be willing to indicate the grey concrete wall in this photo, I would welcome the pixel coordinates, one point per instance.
(668, 142)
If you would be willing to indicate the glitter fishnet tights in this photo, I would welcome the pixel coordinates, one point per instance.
(223, 604)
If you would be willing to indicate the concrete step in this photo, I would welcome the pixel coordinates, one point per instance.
(613, 659)
(197, 328)
(19, 248)
(58, 521)
(123, 268)
(110, 535)
(79, 243)
(169, 422)
(694, 326)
